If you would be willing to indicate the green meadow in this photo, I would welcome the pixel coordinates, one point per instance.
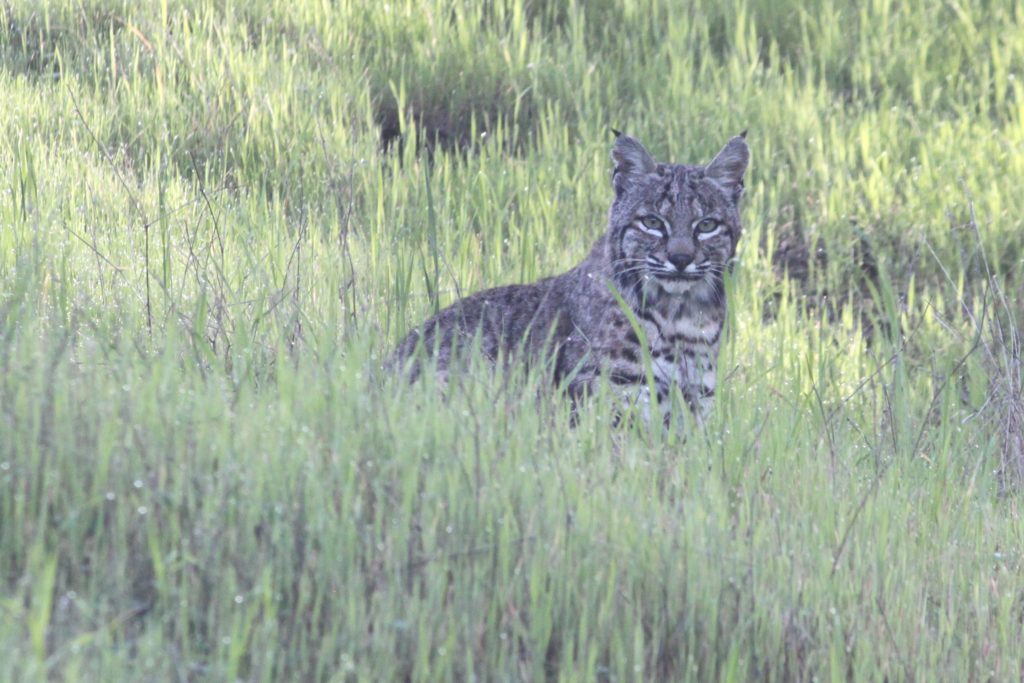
(217, 219)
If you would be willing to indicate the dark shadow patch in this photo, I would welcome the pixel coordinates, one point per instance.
(794, 255)
(455, 117)
(29, 44)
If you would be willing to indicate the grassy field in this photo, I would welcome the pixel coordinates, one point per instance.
(217, 218)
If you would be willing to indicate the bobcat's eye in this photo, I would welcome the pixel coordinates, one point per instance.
(653, 224)
(706, 225)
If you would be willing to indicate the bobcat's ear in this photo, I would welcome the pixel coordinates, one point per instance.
(728, 167)
(632, 161)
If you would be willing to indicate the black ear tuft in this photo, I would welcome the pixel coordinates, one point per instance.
(744, 134)
(618, 133)
(631, 157)
(632, 162)
(729, 165)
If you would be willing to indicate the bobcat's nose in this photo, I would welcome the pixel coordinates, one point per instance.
(680, 260)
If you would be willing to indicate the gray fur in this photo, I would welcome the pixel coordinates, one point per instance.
(672, 229)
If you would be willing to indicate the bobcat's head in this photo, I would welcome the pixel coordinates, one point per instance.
(672, 228)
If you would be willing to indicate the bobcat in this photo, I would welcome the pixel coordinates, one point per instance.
(672, 229)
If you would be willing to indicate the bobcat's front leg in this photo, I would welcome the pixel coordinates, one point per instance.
(698, 382)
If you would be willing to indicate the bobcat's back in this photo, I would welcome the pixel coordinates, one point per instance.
(510, 322)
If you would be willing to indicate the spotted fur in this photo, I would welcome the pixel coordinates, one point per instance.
(672, 229)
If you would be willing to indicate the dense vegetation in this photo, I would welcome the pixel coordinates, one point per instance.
(216, 218)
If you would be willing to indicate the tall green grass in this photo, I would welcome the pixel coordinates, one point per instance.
(216, 219)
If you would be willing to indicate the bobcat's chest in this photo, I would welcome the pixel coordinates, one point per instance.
(684, 350)
(684, 353)
(682, 331)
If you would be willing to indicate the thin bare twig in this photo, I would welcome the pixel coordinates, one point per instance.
(135, 203)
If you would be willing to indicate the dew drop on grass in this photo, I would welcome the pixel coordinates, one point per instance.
(239, 599)
(448, 529)
(5, 466)
(143, 509)
(110, 495)
(137, 483)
